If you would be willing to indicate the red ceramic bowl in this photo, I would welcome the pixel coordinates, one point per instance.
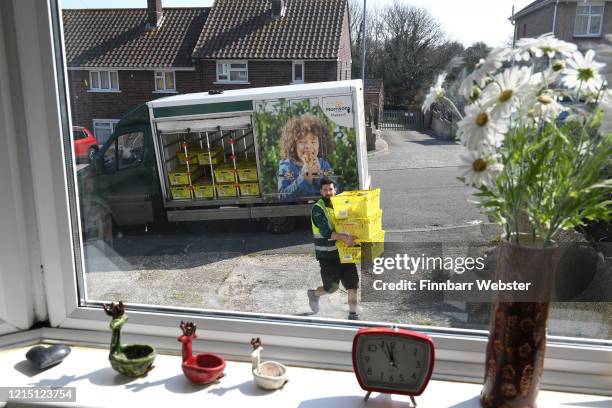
(204, 368)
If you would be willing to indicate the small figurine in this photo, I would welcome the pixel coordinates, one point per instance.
(132, 360)
(201, 368)
(269, 375)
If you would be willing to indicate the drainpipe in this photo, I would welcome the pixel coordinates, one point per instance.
(554, 23)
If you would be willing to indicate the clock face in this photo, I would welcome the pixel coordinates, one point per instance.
(392, 360)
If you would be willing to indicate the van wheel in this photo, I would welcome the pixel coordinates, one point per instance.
(280, 225)
(91, 154)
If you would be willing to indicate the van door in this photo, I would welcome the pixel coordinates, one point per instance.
(128, 177)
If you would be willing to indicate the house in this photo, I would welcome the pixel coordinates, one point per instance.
(578, 21)
(374, 99)
(120, 58)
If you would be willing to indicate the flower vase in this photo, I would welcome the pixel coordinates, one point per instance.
(517, 329)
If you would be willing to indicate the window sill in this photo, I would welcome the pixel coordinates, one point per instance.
(165, 92)
(297, 83)
(588, 35)
(232, 83)
(103, 91)
(95, 381)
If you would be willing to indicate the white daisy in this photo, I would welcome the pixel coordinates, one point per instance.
(478, 170)
(479, 130)
(546, 107)
(548, 45)
(582, 72)
(435, 94)
(504, 93)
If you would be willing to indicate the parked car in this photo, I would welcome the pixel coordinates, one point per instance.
(85, 144)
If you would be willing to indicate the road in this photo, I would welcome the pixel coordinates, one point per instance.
(236, 266)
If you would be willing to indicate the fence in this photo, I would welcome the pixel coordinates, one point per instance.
(402, 119)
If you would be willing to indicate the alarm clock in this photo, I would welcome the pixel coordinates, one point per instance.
(393, 361)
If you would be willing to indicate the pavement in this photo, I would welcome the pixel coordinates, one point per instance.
(235, 266)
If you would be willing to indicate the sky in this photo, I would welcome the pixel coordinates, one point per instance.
(466, 21)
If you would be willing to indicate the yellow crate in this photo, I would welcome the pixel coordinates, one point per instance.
(247, 171)
(371, 249)
(203, 189)
(356, 204)
(224, 173)
(249, 189)
(180, 175)
(215, 156)
(181, 192)
(363, 228)
(191, 157)
(226, 190)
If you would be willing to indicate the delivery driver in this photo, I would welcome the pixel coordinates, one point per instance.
(332, 271)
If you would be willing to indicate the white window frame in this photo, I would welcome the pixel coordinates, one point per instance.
(590, 16)
(226, 71)
(161, 74)
(98, 75)
(98, 122)
(572, 365)
(293, 79)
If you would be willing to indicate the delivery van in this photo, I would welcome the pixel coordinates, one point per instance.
(257, 153)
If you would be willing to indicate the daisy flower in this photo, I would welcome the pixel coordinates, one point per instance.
(435, 94)
(504, 93)
(548, 45)
(547, 108)
(478, 170)
(582, 72)
(479, 130)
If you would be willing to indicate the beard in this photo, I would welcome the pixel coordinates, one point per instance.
(327, 200)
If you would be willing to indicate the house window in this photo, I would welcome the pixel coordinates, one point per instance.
(164, 81)
(232, 71)
(589, 18)
(103, 81)
(298, 72)
(104, 128)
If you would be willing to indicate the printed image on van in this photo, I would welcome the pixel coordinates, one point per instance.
(300, 144)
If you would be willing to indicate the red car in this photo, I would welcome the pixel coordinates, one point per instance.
(85, 144)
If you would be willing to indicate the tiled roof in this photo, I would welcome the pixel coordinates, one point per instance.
(118, 38)
(372, 85)
(530, 7)
(244, 29)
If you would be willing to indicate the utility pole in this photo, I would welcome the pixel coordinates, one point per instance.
(363, 43)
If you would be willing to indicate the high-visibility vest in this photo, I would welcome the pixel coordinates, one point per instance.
(324, 247)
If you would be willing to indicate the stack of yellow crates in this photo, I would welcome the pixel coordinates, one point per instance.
(358, 213)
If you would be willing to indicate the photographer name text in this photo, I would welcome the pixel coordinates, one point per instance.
(429, 285)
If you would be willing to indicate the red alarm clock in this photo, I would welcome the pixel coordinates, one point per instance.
(393, 361)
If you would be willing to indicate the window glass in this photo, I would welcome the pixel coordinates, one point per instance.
(170, 80)
(104, 84)
(130, 149)
(265, 264)
(79, 134)
(596, 9)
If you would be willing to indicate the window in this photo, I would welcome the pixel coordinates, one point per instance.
(104, 81)
(115, 270)
(232, 71)
(104, 128)
(589, 19)
(79, 134)
(130, 149)
(164, 81)
(298, 72)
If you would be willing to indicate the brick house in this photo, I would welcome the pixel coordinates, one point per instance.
(120, 58)
(578, 21)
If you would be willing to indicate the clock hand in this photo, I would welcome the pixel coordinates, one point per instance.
(390, 355)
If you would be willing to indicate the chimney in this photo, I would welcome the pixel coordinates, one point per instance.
(154, 13)
(278, 9)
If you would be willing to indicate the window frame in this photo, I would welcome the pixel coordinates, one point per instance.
(163, 73)
(293, 65)
(228, 70)
(108, 75)
(590, 16)
(571, 364)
